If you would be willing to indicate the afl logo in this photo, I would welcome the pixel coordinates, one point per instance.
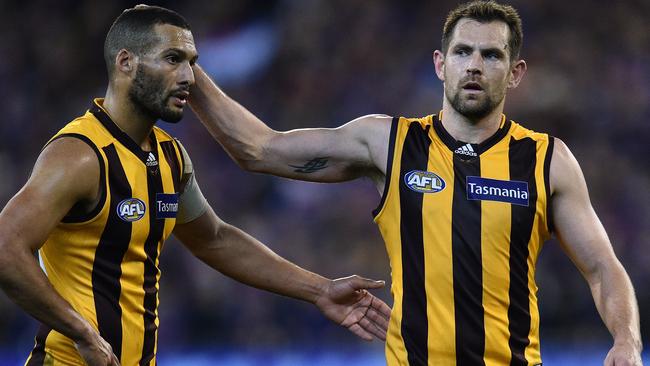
(131, 209)
(424, 182)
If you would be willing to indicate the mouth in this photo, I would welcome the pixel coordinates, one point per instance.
(179, 98)
(472, 86)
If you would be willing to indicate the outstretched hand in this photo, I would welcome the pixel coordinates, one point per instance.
(347, 302)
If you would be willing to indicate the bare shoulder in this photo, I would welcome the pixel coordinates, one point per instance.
(373, 130)
(69, 165)
(565, 172)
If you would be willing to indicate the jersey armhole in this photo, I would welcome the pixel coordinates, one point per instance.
(547, 183)
(389, 166)
(75, 219)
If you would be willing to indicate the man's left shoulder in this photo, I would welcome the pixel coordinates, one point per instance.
(162, 135)
(519, 132)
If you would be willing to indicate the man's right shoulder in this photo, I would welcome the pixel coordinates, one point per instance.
(70, 149)
(86, 128)
(76, 145)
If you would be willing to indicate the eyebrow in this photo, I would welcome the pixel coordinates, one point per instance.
(483, 50)
(494, 49)
(182, 52)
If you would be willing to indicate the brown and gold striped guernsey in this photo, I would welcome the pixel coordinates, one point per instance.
(105, 264)
(463, 226)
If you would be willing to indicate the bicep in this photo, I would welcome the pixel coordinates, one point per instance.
(358, 148)
(66, 172)
(577, 226)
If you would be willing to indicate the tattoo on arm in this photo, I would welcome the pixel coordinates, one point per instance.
(311, 166)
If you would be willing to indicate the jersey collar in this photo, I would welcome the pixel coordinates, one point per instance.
(98, 111)
(454, 144)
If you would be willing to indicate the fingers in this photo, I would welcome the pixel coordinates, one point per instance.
(364, 283)
(378, 319)
(114, 360)
(372, 328)
(381, 307)
(360, 332)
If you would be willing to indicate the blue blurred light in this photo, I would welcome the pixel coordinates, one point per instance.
(238, 56)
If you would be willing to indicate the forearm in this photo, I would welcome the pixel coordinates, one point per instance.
(24, 282)
(243, 258)
(241, 133)
(617, 305)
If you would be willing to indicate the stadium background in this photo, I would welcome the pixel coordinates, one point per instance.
(321, 63)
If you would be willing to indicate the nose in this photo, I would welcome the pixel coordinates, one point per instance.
(186, 74)
(475, 65)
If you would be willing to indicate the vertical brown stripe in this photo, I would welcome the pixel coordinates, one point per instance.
(547, 183)
(415, 156)
(389, 164)
(467, 266)
(156, 227)
(522, 158)
(172, 159)
(38, 353)
(112, 246)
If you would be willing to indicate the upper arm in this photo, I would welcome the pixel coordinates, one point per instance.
(577, 226)
(358, 148)
(66, 172)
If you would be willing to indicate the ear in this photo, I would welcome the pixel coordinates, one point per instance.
(517, 73)
(439, 62)
(125, 62)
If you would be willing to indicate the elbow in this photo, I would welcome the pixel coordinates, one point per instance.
(8, 261)
(253, 156)
(6, 256)
(249, 161)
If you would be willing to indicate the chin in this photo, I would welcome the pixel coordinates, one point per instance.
(172, 116)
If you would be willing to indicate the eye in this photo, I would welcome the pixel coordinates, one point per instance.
(462, 52)
(492, 56)
(173, 59)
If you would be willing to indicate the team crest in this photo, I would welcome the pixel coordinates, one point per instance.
(131, 209)
(424, 182)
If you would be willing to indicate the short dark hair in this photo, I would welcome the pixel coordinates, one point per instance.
(485, 12)
(133, 30)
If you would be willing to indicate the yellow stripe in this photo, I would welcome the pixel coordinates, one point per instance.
(532, 352)
(495, 250)
(438, 262)
(535, 246)
(388, 219)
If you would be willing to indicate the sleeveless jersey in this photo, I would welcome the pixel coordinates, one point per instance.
(105, 263)
(463, 226)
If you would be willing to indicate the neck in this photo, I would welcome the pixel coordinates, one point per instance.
(464, 129)
(128, 117)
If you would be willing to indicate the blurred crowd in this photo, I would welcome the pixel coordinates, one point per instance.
(308, 63)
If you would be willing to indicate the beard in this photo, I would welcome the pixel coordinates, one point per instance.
(474, 109)
(147, 94)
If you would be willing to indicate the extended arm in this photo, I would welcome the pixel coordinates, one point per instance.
(67, 172)
(358, 148)
(238, 255)
(585, 241)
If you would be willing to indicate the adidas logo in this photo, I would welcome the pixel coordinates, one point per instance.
(466, 150)
(151, 160)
